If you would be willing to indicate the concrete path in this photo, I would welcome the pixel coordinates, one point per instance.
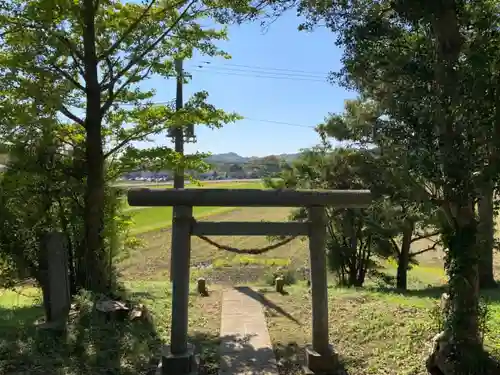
(245, 344)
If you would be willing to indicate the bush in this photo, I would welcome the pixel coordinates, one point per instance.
(289, 276)
(40, 193)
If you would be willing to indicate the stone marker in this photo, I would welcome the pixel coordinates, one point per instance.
(59, 298)
(280, 284)
(202, 287)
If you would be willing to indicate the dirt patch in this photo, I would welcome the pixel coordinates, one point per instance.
(152, 262)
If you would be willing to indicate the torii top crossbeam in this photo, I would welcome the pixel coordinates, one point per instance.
(249, 197)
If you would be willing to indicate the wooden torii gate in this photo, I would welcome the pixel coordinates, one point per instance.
(179, 358)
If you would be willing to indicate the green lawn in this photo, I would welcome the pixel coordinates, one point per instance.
(153, 218)
(375, 332)
(95, 346)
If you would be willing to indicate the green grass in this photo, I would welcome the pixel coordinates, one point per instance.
(154, 218)
(148, 219)
(94, 346)
(375, 332)
(250, 260)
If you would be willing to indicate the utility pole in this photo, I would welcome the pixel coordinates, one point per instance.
(177, 134)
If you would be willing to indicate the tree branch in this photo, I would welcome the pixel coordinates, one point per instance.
(425, 236)
(395, 245)
(133, 137)
(76, 55)
(113, 94)
(68, 77)
(153, 45)
(70, 115)
(127, 32)
(429, 248)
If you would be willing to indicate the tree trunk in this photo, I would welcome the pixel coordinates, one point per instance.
(461, 351)
(486, 231)
(73, 289)
(43, 281)
(463, 319)
(94, 258)
(404, 258)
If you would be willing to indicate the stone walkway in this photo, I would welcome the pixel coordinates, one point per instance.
(245, 344)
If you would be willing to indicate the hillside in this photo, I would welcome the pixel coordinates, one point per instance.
(234, 158)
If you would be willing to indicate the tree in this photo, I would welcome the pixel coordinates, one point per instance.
(424, 62)
(406, 218)
(235, 168)
(38, 196)
(84, 61)
(353, 240)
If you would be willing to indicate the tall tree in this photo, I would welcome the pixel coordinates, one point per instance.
(407, 218)
(84, 61)
(416, 59)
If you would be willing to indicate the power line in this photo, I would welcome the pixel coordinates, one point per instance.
(269, 68)
(267, 76)
(281, 123)
(261, 72)
(257, 71)
(250, 118)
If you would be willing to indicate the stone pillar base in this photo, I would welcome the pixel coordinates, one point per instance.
(178, 364)
(321, 364)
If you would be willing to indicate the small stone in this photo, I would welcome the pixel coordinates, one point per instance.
(140, 312)
(111, 309)
(202, 287)
(280, 285)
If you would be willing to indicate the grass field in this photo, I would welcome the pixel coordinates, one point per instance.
(153, 218)
(376, 330)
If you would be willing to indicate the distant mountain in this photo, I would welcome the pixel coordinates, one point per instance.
(288, 157)
(230, 157)
(234, 158)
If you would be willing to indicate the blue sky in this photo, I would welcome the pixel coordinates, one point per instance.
(244, 85)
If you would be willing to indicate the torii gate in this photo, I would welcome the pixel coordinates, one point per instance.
(180, 358)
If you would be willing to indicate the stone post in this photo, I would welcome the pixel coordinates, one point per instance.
(179, 358)
(57, 278)
(320, 357)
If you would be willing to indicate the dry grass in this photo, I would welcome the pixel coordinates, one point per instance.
(152, 262)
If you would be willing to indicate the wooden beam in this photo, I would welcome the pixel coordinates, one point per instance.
(249, 198)
(210, 228)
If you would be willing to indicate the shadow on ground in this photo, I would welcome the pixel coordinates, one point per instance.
(492, 295)
(267, 303)
(238, 356)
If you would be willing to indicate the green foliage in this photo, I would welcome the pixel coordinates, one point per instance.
(438, 316)
(75, 67)
(37, 196)
(289, 275)
(352, 242)
(432, 68)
